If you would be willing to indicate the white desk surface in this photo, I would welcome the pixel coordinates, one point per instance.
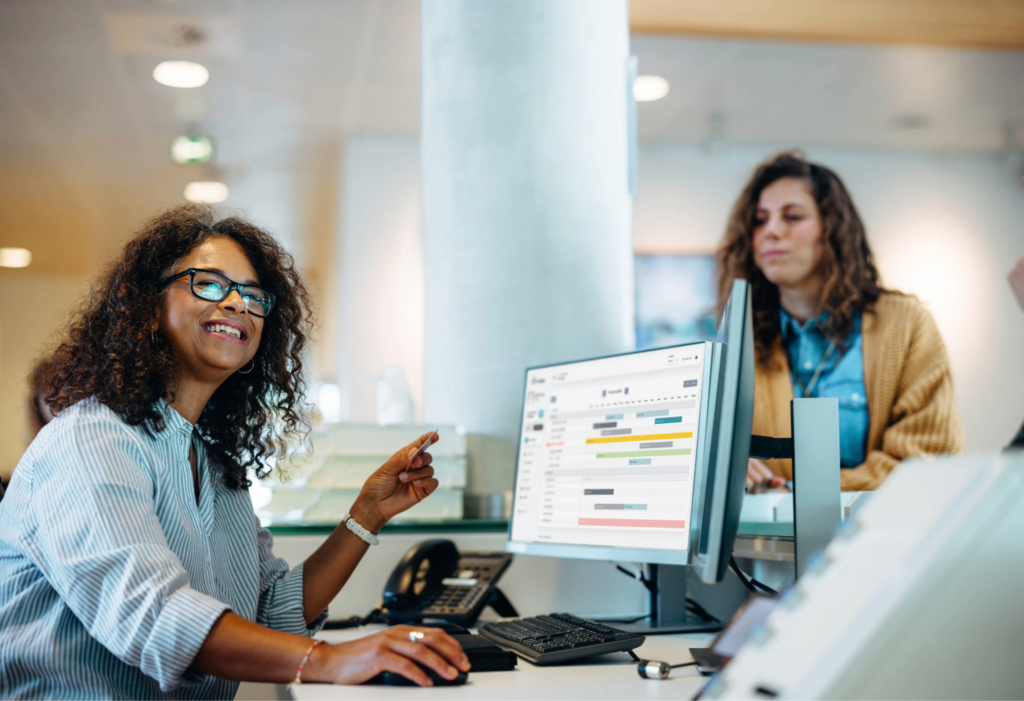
(606, 677)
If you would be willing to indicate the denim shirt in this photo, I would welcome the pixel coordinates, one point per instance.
(842, 377)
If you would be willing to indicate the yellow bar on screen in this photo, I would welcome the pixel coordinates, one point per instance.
(630, 439)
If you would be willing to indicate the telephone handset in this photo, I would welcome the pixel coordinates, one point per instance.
(434, 580)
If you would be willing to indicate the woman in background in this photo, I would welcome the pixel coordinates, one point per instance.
(824, 327)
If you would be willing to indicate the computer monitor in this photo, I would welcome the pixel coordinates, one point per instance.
(609, 453)
(641, 457)
(729, 447)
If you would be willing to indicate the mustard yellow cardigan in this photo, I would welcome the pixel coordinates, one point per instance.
(911, 408)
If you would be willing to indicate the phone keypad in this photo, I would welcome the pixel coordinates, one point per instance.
(453, 599)
(457, 600)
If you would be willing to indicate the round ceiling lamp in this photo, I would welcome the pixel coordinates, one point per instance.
(181, 74)
(648, 88)
(15, 257)
(209, 192)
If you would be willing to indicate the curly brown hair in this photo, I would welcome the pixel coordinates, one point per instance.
(851, 279)
(110, 353)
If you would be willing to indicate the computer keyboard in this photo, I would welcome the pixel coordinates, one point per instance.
(559, 637)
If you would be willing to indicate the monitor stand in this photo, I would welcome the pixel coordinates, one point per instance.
(668, 613)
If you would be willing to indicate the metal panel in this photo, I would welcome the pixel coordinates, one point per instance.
(817, 507)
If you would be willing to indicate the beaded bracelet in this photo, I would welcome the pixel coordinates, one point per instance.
(298, 674)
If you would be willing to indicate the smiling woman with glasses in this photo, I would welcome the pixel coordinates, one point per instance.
(131, 562)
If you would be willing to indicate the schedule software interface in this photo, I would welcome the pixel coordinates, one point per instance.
(607, 451)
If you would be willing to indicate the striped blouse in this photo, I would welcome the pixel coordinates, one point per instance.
(111, 575)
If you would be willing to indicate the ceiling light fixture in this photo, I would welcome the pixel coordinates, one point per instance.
(15, 257)
(648, 88)
(181, 74)
(191, 149)
(210, 192)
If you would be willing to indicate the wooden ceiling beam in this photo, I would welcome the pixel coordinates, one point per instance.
(970, 23)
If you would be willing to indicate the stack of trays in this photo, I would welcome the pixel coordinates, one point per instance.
(319, 486)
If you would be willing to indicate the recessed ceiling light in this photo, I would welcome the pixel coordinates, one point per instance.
(15, 257)
(648, 88)
(191, 149)
(206, 191)
(181, 74)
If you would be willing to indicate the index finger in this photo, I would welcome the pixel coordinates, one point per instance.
(446, 646)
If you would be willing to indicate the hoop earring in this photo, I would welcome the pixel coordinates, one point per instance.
(246, 372)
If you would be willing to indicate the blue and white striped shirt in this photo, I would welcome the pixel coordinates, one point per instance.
(111, 575)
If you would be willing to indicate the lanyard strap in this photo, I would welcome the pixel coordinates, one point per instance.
(806, 391)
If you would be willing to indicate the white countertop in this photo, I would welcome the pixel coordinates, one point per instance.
(611, 676)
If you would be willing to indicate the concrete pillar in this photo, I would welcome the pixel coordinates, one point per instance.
(380, 259)
(526, 206)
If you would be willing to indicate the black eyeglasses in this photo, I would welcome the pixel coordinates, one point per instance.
(214, 287)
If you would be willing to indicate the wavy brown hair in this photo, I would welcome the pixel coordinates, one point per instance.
(851, 279)
(110, 353)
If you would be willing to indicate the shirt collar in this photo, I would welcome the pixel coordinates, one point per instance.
(791, 327)
(176, 423)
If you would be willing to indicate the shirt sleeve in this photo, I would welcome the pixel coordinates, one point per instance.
(95, 535)
(281, 592)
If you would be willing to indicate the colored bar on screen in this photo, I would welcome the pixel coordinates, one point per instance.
(651, 414)
(647, 437)
(647, 453)
(640, 461)
(634, 522)
(669, 420)
(614, 417)
(635, 507)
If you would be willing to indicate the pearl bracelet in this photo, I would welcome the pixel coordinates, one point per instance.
(362, 533)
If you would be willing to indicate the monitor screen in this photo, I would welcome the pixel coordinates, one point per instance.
(607, 456)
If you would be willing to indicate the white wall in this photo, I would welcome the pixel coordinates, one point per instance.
(37, 306)
(380, 286)
(945, 228)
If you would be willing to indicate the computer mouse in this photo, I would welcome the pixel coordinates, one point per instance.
(396, 679)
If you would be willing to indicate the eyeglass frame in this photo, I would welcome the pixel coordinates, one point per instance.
(232, 287)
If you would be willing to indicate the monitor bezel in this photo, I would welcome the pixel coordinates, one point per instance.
(737, 321)
(601, 552)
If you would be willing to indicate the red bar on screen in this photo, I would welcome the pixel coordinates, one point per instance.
(635, 522)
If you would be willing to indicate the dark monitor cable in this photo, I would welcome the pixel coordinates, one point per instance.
(691, 605)
(749, 582)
